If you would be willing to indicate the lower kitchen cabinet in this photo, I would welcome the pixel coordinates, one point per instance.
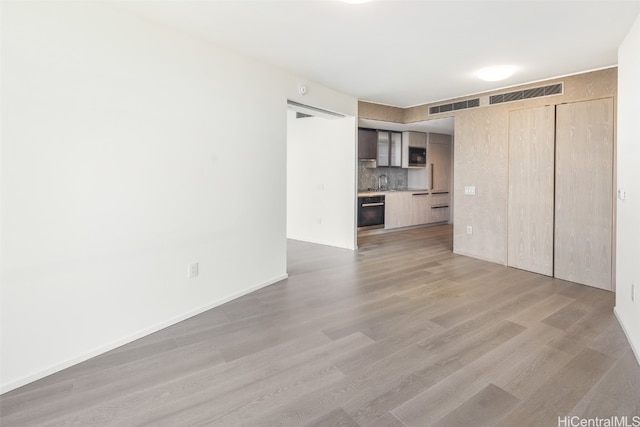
(397, 211)
(440, 198)
(420, 208)
(439, 213)
(409, 208)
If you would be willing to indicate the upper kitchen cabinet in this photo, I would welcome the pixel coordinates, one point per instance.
(395, 157)
(367, 144)
(389, 148)
(383, 148)
(415, 139)
(412, 144)
(439, 159)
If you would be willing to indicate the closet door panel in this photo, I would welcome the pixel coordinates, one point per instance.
(531, 189)
(584, 193)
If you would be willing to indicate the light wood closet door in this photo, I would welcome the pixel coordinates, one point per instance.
(584, 192)
(531, 189)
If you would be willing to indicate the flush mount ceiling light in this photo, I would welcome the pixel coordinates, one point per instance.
(494, 74)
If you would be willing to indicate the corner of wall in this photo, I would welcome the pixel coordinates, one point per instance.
(628, 180)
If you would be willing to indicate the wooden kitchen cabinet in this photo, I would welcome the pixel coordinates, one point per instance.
(439, 198)
(395, 155)
(439, 206)
(381, 145)
(398, 211)
(384, 144)
(412, 139)
(439, 161)
(439, 213)
(367, 144)
(408, 208)
(420, 208)
(415, 139)
(389, 148)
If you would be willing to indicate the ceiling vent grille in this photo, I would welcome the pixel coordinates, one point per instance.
(460, 105)
(536, 92)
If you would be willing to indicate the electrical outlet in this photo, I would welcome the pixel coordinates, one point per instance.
(469, 229)
(470, 191)
(622, 195)
(192, 270)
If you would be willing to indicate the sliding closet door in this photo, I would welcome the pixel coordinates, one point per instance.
(584, 192)
(531, 192)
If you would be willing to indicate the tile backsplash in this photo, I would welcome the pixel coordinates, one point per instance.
(368, 177)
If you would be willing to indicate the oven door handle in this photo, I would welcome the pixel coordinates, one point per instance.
(369, 205)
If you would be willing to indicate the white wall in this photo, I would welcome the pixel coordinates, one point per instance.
(120, 165)
(628, 234)
(321, 180)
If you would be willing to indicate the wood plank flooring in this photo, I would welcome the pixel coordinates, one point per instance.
(400, 333)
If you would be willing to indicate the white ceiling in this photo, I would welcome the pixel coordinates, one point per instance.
(406, 53)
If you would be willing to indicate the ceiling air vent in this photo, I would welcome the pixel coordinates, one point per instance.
(518, 95)
(460, 105)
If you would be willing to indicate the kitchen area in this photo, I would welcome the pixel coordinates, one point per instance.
(404, 175)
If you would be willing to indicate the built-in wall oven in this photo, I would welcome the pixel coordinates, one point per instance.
(371, 211)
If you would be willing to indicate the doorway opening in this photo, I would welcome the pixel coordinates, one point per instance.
(320, 176)
(410, 168)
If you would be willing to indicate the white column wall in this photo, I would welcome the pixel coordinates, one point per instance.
(628, 210)
(321, 180)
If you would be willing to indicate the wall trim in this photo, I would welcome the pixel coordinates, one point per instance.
(636, 351)
(5, 388)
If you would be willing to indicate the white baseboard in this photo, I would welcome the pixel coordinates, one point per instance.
(636, 351)
(4, 388)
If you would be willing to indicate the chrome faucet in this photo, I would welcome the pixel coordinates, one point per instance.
(383, 183)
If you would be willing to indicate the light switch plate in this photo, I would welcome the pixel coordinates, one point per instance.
(470, 191)
(622, 194)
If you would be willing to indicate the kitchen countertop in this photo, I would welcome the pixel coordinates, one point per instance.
(371, 193)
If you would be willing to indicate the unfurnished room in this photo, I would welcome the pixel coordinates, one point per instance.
(320, 213)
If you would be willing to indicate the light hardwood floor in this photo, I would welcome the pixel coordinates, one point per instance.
(402, 332)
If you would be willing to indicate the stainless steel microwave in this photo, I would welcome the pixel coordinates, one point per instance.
(417, 157)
